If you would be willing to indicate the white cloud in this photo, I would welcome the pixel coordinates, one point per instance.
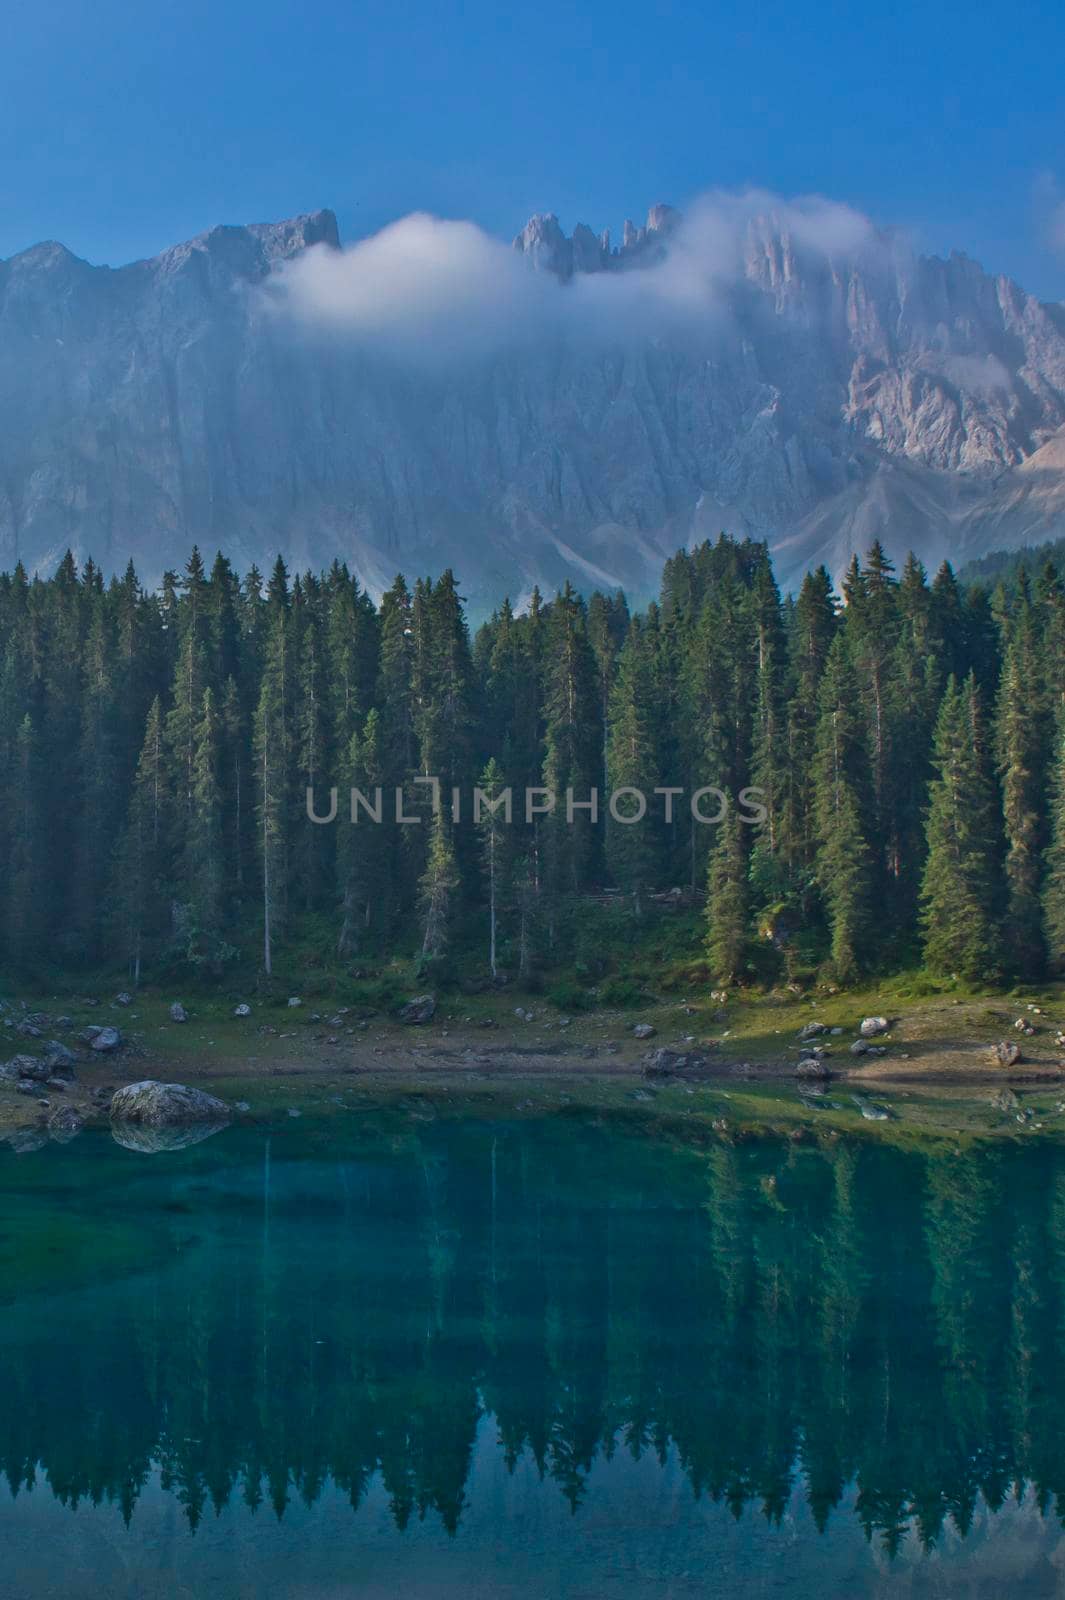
(426, 289)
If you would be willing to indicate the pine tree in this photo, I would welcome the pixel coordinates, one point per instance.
(273, 763)
(727, 898)
(961, 889)
(573, 741)
(1054, 880)
(1020, 749)
(101, 783)
(363, 856)
(204, 866)
(235, 782)
(634, 846)
(437, 889)
(492, 833)
(773, 847)
(843, 863)
(313, 864)
(813, 627)
(24, 914)
(139, 894)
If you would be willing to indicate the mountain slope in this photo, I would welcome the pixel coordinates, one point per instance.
(820, 393)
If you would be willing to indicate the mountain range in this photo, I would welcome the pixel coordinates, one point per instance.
(814, 386)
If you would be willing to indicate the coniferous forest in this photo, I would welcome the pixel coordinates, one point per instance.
(907, 739)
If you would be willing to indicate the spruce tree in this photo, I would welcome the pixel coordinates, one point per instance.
(492, 831)
(140, 892)
(204, 865)
(727, 898)
(363, 856)
(633, 846)
(1054, 879)
(573, 741)
(437, 889)
(1020, 751)
(961, 889)
(844, 864)
(273, 767)
(813, 628)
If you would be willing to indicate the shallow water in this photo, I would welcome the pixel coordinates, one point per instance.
(402, 1354)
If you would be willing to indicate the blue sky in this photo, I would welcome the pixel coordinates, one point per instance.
(125, 127)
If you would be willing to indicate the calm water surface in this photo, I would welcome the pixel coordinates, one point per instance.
(411, 1355)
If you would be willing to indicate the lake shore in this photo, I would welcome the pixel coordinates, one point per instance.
(281, 1056)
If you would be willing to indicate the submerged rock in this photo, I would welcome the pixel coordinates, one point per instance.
(166, 1105)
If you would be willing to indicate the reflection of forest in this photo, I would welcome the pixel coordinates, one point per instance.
(835, 1311)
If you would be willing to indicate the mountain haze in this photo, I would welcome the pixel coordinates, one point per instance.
(569, 408)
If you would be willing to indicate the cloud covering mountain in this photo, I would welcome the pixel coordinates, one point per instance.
(563, 408)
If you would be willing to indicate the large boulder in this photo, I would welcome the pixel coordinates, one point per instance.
(421, 1009)
(871, 1026)
(104, 1040)
(166, 1105)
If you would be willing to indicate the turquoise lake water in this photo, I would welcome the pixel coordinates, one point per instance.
(402, 1354)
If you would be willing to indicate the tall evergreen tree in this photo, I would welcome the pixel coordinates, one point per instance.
(1020, 750)
(139, 895)
(437, 888)
(273, 763)
(727, 898)
(1054, 881)
(204, 865)
(844, 862)
(961, 889)
(573, 740)
(493, 838)
(634, 845)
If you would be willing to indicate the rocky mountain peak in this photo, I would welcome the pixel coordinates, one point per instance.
(842, 389)
(545, 245)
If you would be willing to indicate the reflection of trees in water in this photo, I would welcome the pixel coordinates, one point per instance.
(840, 1311)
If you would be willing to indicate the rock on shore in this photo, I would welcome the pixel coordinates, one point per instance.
(166, 1105)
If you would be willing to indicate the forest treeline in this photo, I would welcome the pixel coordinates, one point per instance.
(156, 749)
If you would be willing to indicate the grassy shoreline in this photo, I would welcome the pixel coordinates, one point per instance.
(313, 1057)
